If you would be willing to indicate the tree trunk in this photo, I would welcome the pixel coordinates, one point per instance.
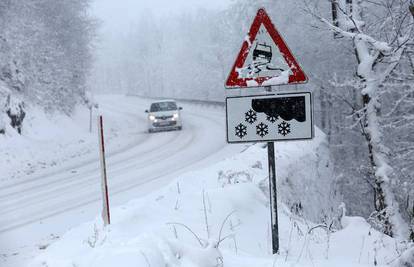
(379, 194)
(387, 211)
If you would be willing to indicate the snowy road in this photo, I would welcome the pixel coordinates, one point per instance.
(47, 204)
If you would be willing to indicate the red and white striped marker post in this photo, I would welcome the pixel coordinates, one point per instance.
(105, 195)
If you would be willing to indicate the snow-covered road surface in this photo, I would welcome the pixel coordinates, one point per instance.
(52, 201)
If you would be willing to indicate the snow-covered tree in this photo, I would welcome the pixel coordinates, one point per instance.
(45, 53)
(380, 36)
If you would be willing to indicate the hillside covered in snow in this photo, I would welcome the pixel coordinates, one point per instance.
(219, 216)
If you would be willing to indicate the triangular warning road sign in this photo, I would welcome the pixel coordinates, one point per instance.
(264, 59)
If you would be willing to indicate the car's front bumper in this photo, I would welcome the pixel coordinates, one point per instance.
(164, 125)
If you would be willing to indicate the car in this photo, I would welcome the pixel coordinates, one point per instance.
(263, 52)
(164, 115)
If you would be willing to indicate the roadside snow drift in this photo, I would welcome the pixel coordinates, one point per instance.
(219, 216)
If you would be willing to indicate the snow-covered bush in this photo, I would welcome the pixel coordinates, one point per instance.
(4, 92)
(90, 100)
(15, 111)
(12, 109)
(2, 125)
(406, 259)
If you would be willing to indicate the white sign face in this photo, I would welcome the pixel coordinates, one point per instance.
(280, 117)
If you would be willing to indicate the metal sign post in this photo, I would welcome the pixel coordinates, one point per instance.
(273, 196)
(105, 195)
(90, 119)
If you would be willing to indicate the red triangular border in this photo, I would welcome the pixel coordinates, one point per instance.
(297, 76)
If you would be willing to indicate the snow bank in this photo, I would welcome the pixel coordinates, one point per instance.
(219, 216)
(46, 141)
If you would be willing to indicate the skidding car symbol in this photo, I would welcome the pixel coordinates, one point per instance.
(262, 57)
(164, 115)
(262, 51)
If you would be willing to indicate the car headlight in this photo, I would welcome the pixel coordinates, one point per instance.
(151, 117)
(175, 115)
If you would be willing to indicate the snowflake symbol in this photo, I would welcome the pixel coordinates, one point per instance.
(251, 116)
(262, 129)
(241, 130)
(284, 128)
(272, 119)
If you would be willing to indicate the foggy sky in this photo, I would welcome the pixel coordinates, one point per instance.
(119, 15)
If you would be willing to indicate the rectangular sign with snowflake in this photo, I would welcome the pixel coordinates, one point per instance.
(280, 117)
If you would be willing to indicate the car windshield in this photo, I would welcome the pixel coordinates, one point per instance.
(163, 106)
(262, 47)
